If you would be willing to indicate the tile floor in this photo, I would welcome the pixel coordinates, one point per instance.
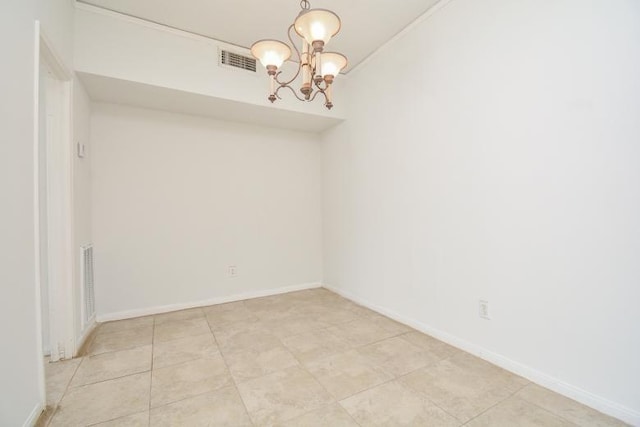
(308, 358)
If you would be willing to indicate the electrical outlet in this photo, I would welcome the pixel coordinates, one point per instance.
(232, 271)
(483, 309)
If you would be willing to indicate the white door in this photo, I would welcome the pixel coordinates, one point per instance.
(54, 197)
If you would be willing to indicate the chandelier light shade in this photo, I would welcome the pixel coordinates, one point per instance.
(332, 63)
(271, 52)
(317, 25)
(316, 69)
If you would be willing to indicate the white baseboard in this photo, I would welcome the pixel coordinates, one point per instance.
(128, 314)
(599, 403)
(85, 334)
(34, 415)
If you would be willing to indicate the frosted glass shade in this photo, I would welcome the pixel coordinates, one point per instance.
(271, 52)
(332, 63)
(317, 25)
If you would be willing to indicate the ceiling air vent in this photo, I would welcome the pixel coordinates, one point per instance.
(237, 61)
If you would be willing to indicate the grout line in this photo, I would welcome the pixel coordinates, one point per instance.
(68, 386)
(306, 370)
(425, 395)
(182, 399)
(233, 380)
(549, 410)
(64, 392)
(375, 365)
(110, 379)
(496, 404)
(114, 419)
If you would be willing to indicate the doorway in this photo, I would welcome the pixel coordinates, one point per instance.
(53, 197)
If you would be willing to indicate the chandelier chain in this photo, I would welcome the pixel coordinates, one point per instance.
(305, 5)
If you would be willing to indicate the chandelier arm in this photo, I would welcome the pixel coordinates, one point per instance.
(320, 90)
(287, 83)
(292, 90)
(293, 43)
(299, 62)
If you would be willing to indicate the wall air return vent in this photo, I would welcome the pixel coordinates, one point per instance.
(231, 59)
(86, 273)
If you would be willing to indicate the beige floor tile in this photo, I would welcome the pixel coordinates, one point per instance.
(329, 416)
(259, 301)
(272, 307)
(398, 356)
(358, 309)
(394, 404)
(183, 350)
(188, 379)
(315, 345)
(227, 307)
(104, 401)
(250, 364)
(121, 340)
(223, 314)
(175, 329)
(219, 408)
(275, 312)
(136, 420)
(192, 313)
(388, 325)
(263, 302)
(115, 364)
(58, 377)
(318, 305)
(349, 352)
(288, 326)
(360, 332)
(124, 325)
(464, 385)
(347, 373)
(324, 293)
(282, 395)
(231, 328)
(243, 337)
(515, 411)
(566, 408)
(436, 347)
(307, 295)
(334, 316)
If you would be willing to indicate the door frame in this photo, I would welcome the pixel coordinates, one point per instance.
(59, 213)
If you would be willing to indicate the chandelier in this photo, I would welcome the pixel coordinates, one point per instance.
(317, 68)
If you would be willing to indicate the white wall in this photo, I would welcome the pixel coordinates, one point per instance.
(18, 370)
(499, 161)
(57, 23)
(82, 233)
(21, 361)
(177, 199)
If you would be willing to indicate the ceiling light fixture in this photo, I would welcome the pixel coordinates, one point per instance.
(317, 67)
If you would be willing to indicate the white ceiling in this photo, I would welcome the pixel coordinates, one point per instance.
(366, 24)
